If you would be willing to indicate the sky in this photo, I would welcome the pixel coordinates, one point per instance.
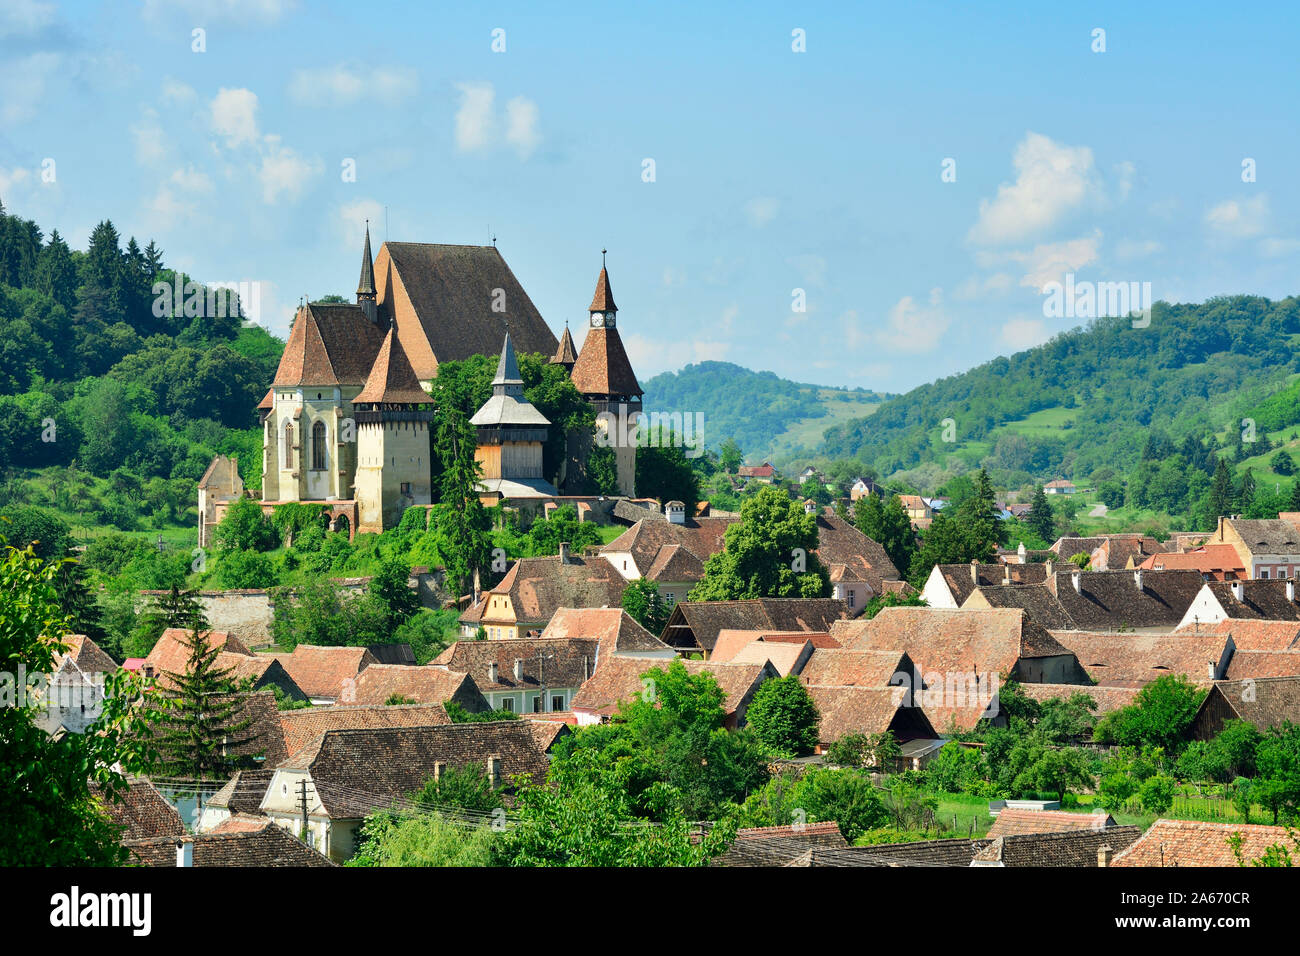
(913, 175)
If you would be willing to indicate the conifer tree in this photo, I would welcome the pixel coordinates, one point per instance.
(197, 734)
(1221, 493)
(1041, 520)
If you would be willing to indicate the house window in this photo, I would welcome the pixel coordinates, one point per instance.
(406, 487)
(537, 704)
(557, 702)
(288, 444)
(670, 598)
(1263, 573)
(508, 703)
(318, 446)
(851, 597)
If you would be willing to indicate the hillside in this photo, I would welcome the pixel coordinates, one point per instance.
(770, 417)
(1091, 398)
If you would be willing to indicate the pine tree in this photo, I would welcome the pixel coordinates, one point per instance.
(198, 733)
(1221, 492)
(1246, 492)
(1295, 497)
(464, 525)
(1040, 519)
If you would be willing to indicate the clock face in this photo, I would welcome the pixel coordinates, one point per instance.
(609, 320)
(597, 320)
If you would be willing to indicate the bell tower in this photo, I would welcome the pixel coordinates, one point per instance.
(366, 294)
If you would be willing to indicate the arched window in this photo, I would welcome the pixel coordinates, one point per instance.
(288, 444)
(318, 446)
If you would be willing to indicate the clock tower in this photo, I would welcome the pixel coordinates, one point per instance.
(605, 378)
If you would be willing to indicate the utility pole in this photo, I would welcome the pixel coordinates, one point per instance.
(302, 797)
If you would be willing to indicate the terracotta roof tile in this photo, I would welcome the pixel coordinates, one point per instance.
(391, 380)
(1013, 821)
(1196, 843)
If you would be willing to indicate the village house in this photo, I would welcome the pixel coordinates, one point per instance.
(1151, 602)
(918, 511)
(1060, 486)
(1214, 562)
(73, 698)
(1169, 843)
(1266, 702)
(614, 630)
(693, 626)
(1017, 821)
(327, 675)
(868, 710)
(1119, 552)
(620, 679)
(245, 842)
(1268, 547)
(1084, 847)
(763, 473)
(669, 552)
(171, 656)
(348, 774)
(862, 487)
(535, 588)
(1133, 660)
(1258, 599)
(525, 675)
(382, 683)
(949, 585)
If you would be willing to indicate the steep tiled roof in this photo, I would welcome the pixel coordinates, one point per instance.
(958, 576)
(857, 668)
(1210, 559)
(1074, 848)
(1112, 599)
(266, 846)
(265, 743)
(452, 289)
(544, 662)
(321, 671)
(356, 771)
(301, 727)
(89, 657)
(1136, 659)
(777, 846)
(1196, 843)
(329, 344)
(1256, 664)
(142, 811)
(616, 631)
(647, 539)
(1267, 535)
(675, 564)
(538, 587)
(244, 791)
(1039, 603)
(704, 619)
(391, 380)
(1106, 698)
(842, 546)
(785, 658)
(952, 640)
(617, 679)
(1251, 634)
(566, 354)
(1013, 821)
(1265, 702)
(868, 710)
(603, 367)
(1266, 599)
(603, 298)
(956, 852)
(171, 654)
(379, 683)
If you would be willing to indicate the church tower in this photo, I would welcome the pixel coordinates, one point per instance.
(566, 355)
(393, 416)
(510, 435)
(605, 378)
(367, 297)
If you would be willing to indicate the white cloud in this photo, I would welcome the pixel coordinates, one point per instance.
(1279, 248)
(521, 126)
(1051, 180)
(345, 85)
(1137, 248)
(651, 356)
(474, 120)
(1125, 175)
(1025, 333)
(1239, 220)
(976, 287)
(176, 93)
(284, 172)
(9, 178)
(234, 116)
(761, 210)
(1049, 261)
(910, 326)
(23, 83)
(25, 17)
(240, 13)
(191, 180)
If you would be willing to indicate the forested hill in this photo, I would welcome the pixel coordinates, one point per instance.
(132, 394)
(767, 415)
(1091, 398)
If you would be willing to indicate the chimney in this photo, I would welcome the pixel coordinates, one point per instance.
(975, 573)
(676, 512)
(1020, 551)
(1006, 575)
(1218, 531)
(519, 669)
(494, 770)
(564, 552)
(1048, 564)
(1236, 589)
(1290, 589)
(1104, 855)
(478, 588)
(1209, 668)
(1075, 577)
(185, 853)
(492, 672)
(1137, 578)
(586, 668)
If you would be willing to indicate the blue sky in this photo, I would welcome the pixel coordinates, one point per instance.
(774, 170)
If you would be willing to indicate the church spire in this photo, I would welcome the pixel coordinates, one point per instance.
(603, 300)
(366, 285)
(508, 380)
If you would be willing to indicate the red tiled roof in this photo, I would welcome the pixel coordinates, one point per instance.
(1197, 843)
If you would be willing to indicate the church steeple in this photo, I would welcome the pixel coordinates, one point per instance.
(366, 285)
(566, 354)
(602, 306)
